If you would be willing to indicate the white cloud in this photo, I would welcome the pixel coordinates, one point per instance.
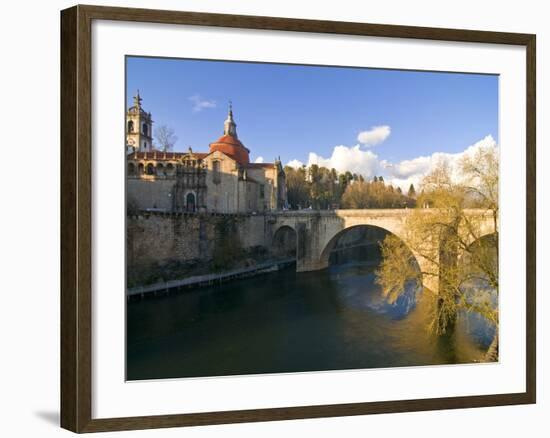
(259, 160)
(199, 103)
(408, 168)
(352, 159)
(295, 163)
(405, 172)
(374, 136)
(405, 183)
(401, 174)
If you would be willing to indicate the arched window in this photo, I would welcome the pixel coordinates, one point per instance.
(170, 169)
(145, 129)
(140, 169)
(131, 169)
(150, 169)
(160, 170)
(130, 126)
(190, 202)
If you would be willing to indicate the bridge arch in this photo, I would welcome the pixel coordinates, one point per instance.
(317, 232)
(285, 242)
(488, 238)
(331, 244)
(482, 252)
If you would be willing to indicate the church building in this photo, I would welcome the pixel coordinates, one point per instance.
(220, 180)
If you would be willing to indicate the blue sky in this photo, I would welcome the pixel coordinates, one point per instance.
(291, 111)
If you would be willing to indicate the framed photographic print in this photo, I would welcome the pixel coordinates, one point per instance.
(268, 218)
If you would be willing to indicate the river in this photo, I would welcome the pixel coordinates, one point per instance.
(292, 322)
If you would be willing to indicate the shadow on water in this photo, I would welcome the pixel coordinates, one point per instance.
(289, 322)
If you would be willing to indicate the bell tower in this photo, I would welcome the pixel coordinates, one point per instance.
(139, 127)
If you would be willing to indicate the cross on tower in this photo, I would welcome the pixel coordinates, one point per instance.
(137, 100)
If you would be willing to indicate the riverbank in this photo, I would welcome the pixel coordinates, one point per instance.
(198, 281)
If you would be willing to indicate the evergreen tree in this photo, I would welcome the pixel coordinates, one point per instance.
(324, 189)
(412, 192)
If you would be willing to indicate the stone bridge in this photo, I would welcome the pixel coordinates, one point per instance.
(317, 232)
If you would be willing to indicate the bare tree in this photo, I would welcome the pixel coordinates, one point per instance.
(165, 138)
(450, 230)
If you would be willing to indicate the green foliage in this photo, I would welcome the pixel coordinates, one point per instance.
(320, 188)
(297, 187)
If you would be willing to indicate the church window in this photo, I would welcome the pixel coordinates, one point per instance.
(145, 130)
(190, 202)
(216, 173)
(130, 126)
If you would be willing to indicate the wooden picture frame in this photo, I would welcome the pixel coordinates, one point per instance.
(76, 217)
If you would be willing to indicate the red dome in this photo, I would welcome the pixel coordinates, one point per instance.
(231, 146)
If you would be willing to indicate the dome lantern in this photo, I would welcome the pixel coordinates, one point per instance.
(229, 126)
(229, 143)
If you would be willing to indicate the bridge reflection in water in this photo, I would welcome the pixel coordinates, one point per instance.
(286, 321)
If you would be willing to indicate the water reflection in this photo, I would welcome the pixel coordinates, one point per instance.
(474, 324)
(358, 280)
(290, 322)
